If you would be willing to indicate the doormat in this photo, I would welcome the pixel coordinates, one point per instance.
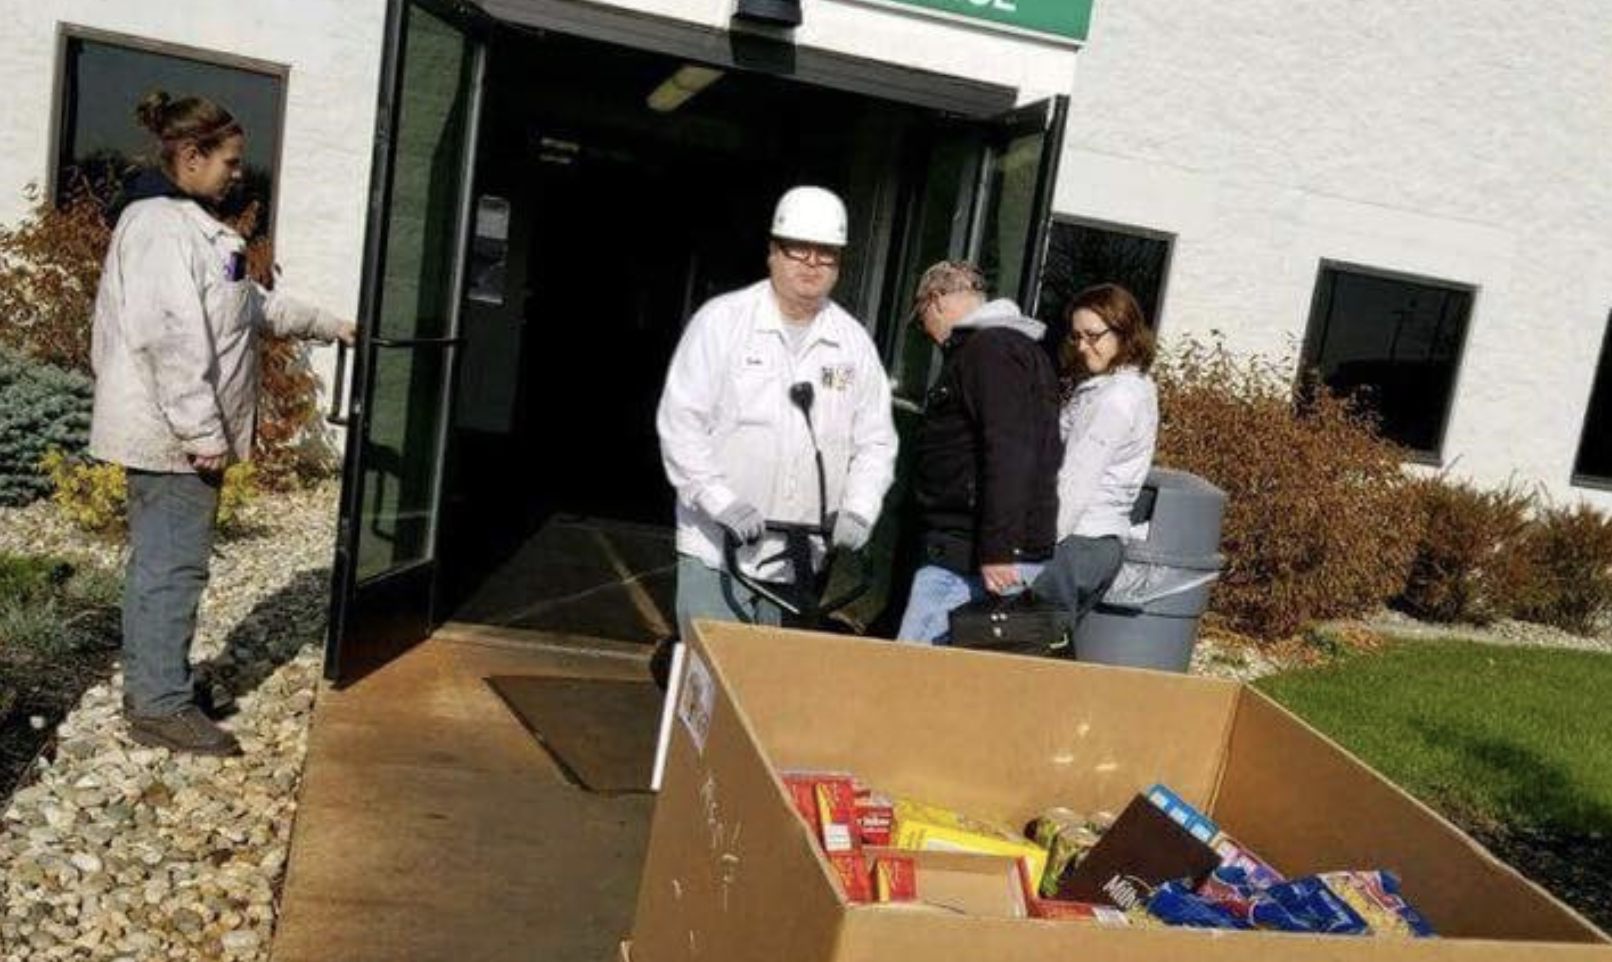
(600, 733)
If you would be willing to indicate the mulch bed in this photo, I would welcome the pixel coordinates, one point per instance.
(1575, 868)
(33, 686)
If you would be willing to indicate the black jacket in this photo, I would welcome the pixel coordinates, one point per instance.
(986, 480)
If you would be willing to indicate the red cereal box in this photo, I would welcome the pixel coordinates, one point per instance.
(894, 879)
(852, 870)
(826, 800)
(875, 817)
(802, 793)
(836, 814)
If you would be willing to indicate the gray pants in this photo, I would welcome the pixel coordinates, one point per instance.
(170, 540)
(707, 593)
(1080, 571)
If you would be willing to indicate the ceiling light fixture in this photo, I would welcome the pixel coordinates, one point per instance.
(680, 86)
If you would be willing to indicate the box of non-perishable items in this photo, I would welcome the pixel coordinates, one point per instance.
(750, 857)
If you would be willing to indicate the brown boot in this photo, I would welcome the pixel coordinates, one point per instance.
(186, 730)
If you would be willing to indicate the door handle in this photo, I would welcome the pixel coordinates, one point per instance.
(416, 341)
(338, 390)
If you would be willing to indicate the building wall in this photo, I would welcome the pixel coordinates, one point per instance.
(333, 50)
(1464, 140)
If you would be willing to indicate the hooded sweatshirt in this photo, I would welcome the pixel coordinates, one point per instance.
(988, 450)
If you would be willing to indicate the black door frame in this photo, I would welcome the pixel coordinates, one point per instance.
(371, 623)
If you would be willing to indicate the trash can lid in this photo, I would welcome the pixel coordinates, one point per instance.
(1142, 553)
(1171, 479)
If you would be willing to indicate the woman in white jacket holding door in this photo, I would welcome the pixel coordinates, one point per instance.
(1109, 426)
(175, 351)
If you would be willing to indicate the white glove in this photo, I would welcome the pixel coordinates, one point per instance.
(851, 531)
(742, 521)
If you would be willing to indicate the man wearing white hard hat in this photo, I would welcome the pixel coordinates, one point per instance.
(737, 427)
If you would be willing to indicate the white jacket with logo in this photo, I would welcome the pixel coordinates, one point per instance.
(729, 432)
(175, 339)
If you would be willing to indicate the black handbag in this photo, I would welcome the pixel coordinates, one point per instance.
(1020, 624)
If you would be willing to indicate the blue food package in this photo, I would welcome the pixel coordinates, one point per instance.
(1375, 896)
(1176, 904)
(1235, 853)
(1197, 824)
(1314, 906)
(1303, 905)
(1231, 889)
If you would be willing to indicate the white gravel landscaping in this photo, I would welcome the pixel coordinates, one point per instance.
(121, 852)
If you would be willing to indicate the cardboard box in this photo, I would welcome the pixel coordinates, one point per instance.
(732, 873)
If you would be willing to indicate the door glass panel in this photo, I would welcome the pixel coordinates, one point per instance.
(1010, 202)
(406, 392)
(938, 230)
(1016, 199)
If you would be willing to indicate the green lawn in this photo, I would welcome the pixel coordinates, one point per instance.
(1517, 736)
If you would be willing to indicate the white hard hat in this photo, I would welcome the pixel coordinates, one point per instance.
(810, 214)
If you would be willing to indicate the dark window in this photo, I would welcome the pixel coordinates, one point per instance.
(1595, 445)
(1080, 255)
(1393, 344)
(101, 143)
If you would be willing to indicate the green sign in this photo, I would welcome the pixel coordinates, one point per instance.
(1065, 19)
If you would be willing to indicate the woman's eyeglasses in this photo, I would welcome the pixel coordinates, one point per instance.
(1092, 338)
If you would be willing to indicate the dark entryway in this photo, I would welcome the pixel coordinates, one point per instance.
(540, 231)
(622, 219)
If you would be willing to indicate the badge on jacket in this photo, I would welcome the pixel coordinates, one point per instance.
(838, 377)
(234, 266)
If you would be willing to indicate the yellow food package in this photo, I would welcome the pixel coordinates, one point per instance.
(932, 828)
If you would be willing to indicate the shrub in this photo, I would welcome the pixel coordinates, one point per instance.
(41, 407)
(50, 265)
(290, 447)
(1318, 520)
(1466, 559)
(1565, 575)
(94, 494)
(48, 606)
(25, 579)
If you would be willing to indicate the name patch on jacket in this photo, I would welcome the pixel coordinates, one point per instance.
(838, 377)
(234, 266)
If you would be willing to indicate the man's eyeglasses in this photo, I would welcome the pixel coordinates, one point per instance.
(810, 254)
(1092, 338)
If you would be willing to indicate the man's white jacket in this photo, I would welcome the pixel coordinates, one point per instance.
(729, 432)
(174, 344)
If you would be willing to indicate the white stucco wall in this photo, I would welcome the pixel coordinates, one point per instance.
(1466, 140)
(333, 50)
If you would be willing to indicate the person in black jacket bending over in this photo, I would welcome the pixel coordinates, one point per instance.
(988, 451)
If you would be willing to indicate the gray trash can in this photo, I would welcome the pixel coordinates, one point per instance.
(1148, 618)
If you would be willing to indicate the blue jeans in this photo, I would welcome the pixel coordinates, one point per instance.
(708, 593)
(170, 541)
(936, 591)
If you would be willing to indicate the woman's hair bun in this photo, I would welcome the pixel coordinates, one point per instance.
(152, 111)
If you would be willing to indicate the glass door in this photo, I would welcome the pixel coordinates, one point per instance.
(385, 572)
(1013, 212)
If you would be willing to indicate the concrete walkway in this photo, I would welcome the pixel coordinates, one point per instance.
(433, 826)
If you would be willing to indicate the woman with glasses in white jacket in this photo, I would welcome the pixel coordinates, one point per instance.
(1109, 425)
(175, 349)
